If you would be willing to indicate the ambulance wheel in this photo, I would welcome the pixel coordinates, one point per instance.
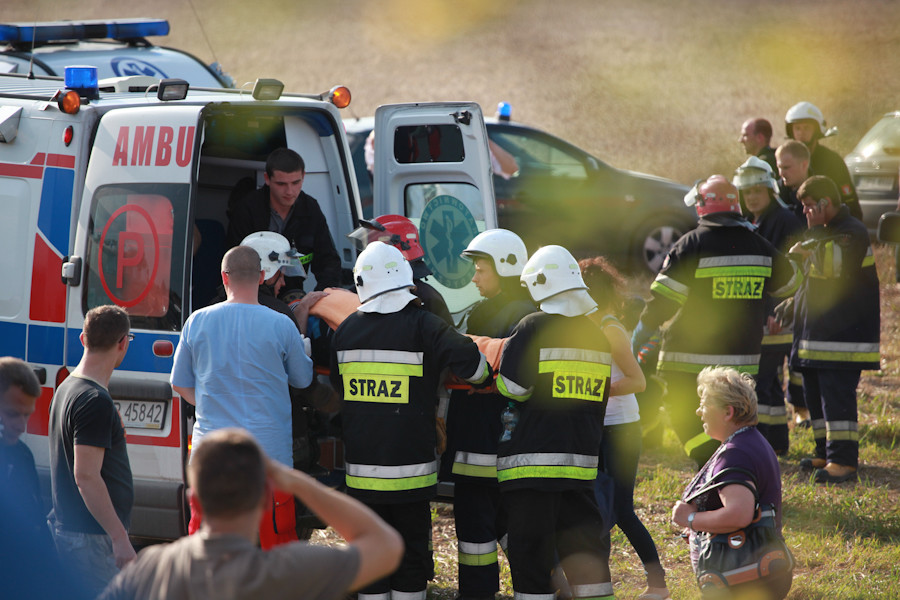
(652, 242)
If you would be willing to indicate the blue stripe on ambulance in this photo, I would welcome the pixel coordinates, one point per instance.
(55, 216)
(12, 339)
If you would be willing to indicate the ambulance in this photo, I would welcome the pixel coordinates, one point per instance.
(117, 191)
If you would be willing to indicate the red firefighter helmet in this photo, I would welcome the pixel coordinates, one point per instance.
(395, 230)
(713, 195)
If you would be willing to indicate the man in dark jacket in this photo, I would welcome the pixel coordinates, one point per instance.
(281, 206)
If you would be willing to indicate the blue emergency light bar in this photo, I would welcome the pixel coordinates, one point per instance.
(55, 31)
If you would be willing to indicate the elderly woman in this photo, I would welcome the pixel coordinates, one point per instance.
(728, 411)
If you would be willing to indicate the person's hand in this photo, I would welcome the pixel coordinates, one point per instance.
(774, 325)
(311, 298)
(799, 250)
(680, 513)
(123, 551)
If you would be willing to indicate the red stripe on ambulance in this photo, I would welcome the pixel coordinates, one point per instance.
(48, 292)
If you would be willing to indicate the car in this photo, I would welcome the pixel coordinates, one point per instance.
(563, 195)
(117, 47)
(873, 165)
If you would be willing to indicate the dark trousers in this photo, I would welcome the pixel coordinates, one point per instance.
(620, 451)
(831, 400)
(544, 525)
(681, 402)
(480, 526)
(772, 412)
(412, 520)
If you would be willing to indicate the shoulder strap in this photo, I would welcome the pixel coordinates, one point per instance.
(714, 484)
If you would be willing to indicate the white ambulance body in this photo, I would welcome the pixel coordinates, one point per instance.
(105, 206)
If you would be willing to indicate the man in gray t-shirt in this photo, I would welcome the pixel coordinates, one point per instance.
(231, 477)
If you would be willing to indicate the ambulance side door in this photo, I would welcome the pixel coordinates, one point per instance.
(432, 165)
(134, 241)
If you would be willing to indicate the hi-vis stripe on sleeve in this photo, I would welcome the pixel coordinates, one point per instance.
(669, 288)
(382, 478)
(513, 390)
(481, 371)
(839, 351)
(869, 258)
(793, 284)
(744, 264)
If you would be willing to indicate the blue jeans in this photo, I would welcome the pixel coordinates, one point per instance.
(88, 555)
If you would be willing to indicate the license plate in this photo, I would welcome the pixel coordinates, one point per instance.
(876, 184)
(142, 414)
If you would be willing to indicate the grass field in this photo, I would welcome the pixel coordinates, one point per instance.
(649, 85)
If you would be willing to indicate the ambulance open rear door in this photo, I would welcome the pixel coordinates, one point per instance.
(432, 165)
(133, 248)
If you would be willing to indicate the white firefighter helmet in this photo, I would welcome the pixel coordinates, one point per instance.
(754, 171)
(803, 111)
(275, 253)
(553, 279)
(381, 268)
(505, 249)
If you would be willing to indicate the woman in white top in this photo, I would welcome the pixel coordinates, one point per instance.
(621, 445)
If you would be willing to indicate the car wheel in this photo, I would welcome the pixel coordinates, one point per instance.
(653, 241)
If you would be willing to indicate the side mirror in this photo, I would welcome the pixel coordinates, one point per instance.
(889, 228)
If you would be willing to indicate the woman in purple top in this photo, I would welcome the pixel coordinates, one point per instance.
(728, 411)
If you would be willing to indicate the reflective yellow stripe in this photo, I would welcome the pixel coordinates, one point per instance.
(474, 464)
(391, 485)
(377, 368)
(688, 362)
(839, 351)
(552, 465)
(734, 272)
(547, 472)
(477, 555)
(695, 442)
(777, 338)
(669, 288)
(512, 390)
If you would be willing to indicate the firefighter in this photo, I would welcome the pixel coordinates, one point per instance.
(805, 123)
(401, 233)
(555, 371)
(714, 281)
(758, 191)
(473, 421)
(386, 362)
(836, 326)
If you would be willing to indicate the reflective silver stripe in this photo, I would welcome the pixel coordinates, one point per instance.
(391, 472)
(381, 356)
(740, 260)
(514, 388)
(479, 374)
(818, 423)
(395, 595)
(478, 548)
(579, 354)
(839, 346)
(675, 286)
(709, 359)
(524, 596)
(765, 409)
(590, 590)
(841, 426)
(767, 513)
(384, 596)
(541, 459)
(473, 458)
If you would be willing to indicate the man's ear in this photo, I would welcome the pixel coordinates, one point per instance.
(81, 339)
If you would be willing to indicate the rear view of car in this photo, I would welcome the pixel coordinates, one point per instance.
(874, 164)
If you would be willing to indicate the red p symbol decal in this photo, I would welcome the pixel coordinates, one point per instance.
(131, 253)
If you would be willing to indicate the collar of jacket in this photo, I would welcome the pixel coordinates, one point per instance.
(726, 220)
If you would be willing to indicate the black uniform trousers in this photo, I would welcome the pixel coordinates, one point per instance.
(831, 400)
(773, 421)
(681, 402)
(544, 525)
(412, 520)
(480, 526)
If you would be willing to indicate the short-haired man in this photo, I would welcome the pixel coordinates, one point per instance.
(231, 478)
(234, 362)
(792, 162)
(90, 475)
(836, 326)
(19, 390)
(756, 137)
(282, 206)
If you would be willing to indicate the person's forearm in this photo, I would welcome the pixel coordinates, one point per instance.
(186, 393)
(722, 520)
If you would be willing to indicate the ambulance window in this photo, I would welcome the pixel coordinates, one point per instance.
(136, 252)
(428, 144)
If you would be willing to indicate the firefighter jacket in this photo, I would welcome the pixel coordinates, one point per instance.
(556, 370)
(473, 420)
(388, 368)
(714, 282)
(837, 320)
(782, 228)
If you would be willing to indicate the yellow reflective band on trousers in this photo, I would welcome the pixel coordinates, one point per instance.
(592, 591)
(695, 442)
(477, 555)
(842, 431)
(772, 415)
(473, 464)
(547, 465)
(839, 351)
(577, 373)
(397, 478)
